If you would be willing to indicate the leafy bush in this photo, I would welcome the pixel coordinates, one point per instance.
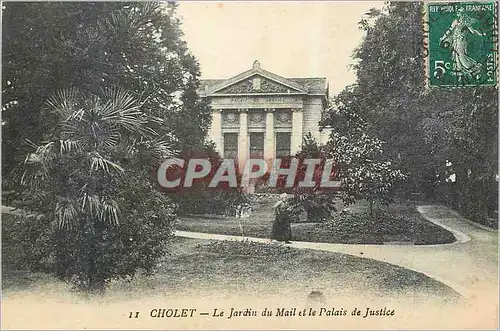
(18, 237)
(200, 199)
(100, 216)
(226, 203)
(316, 201)
(93, 252)
(318, 206)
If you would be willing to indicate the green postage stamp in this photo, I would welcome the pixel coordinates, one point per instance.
(461, 38)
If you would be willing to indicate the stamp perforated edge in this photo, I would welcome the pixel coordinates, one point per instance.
(425, 42)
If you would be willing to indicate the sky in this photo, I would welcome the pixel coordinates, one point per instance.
(291, 39)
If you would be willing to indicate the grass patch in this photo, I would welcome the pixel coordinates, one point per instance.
(198, 266)
(259, 223)
(395, 223)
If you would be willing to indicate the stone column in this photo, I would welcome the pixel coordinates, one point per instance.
(297, 121)
(216, 129)
(269, 139)
(243, 138)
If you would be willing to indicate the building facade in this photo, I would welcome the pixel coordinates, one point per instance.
(258, 114)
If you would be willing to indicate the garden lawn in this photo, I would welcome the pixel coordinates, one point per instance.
(259, 223)
(199, 268)
(395, 223)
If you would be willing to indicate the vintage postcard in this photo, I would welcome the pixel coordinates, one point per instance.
(250, 165)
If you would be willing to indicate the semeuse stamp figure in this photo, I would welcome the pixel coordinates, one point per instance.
(462, 42)
(456, 38)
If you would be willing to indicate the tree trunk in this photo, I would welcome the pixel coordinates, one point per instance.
(96, 285)
(96, 282)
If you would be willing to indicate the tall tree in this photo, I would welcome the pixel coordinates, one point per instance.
(430, 133)
(51, 46)
(391, 87)
(96, 94)
(360, 164)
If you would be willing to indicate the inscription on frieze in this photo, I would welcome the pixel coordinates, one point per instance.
(259, 100)
(285, 101)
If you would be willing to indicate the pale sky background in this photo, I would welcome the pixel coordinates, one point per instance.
(291, 39)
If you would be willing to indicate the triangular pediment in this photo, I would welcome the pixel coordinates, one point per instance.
(257, 84)
(256, 80)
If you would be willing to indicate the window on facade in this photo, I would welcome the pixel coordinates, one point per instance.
(231, 146)
(283, 144)
(256, 145)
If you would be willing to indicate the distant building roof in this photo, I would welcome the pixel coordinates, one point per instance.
(317, 85)
(310, 85)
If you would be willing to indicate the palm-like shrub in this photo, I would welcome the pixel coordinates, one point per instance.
(91, 180)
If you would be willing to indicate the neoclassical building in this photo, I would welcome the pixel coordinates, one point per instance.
(259, 114)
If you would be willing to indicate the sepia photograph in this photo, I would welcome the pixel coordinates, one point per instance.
(237, 165)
